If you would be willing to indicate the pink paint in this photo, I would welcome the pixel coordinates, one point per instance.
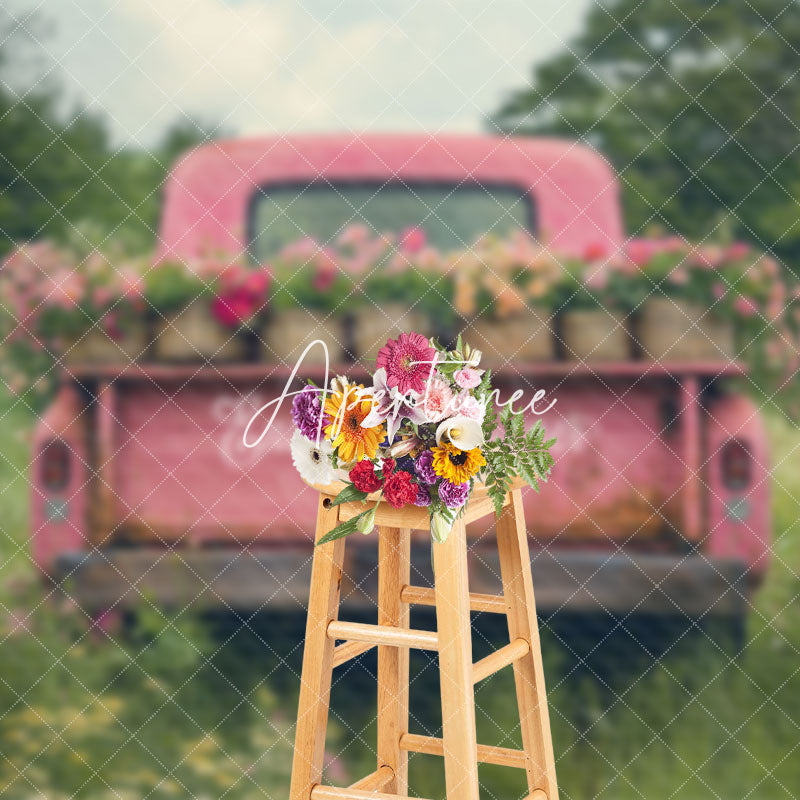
(206, 198)
(640, 460)
(59, 516)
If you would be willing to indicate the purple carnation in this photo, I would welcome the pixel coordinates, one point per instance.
(423, 466)
(454, 495)
(307, 410)
(423, 496)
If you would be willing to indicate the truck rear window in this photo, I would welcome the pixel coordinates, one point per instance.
(452, 216)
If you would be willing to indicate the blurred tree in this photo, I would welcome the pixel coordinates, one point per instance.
(696, 104)
(61, 177)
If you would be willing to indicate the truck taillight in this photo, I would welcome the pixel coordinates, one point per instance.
(737, 465)
(55, 465)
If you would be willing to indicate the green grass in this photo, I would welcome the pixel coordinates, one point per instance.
(203, 708)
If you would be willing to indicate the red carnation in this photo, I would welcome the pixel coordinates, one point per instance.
(399, 490)
(364, 478)
(388, 467)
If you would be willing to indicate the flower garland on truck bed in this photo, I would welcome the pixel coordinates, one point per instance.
(421, 435)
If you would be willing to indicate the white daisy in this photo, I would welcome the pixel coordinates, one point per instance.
(312, 462)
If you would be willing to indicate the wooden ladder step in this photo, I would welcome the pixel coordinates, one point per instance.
(487, 754)
(320, 792)
(346, 651)
(422, 596)
(375, 781)
(383, 635)
(501, 657)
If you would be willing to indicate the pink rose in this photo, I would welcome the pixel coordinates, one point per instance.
(412, 240)
(745, 306)
(595, 251)
(737, 250)
(468, 378)
(679, 276)
(234, 307)
(597, 280)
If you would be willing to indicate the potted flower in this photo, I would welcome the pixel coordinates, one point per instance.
(504, 287)
(203, 307)
(683, 317)
(114, 308)
(306, 303)
(595, 297)
(423, 434)
(82, 309)
(402, 287)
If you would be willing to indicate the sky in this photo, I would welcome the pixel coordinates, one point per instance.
(278, 67)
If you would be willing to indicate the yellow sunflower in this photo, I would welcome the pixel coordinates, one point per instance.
(346, 410)
(456, 466)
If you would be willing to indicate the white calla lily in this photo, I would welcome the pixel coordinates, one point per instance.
(463, 432)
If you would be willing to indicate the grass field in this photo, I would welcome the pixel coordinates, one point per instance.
(203, 708)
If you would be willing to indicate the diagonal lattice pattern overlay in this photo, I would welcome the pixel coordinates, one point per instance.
(188, 702)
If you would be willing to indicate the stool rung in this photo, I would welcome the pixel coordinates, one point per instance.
(422, 596)
(346, 651)
(383, 635)
(320, 792)
(501, 657)
(487, 754)
(375, 781)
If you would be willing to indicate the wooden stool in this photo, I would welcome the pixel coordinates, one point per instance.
(452, 640)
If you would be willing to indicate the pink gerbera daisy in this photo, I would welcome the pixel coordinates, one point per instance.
(404, 359)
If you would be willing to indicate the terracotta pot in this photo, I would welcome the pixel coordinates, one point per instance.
(373, 325)
(676, 330)
(287, 333)
(595, 334)
(517, 338)
(194, 335)
(98, 347)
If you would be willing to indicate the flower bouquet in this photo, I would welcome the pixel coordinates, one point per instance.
(421, 435)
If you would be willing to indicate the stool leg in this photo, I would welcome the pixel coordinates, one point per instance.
(315, 682)
(394, 572)
(455, 665)
(515, 567)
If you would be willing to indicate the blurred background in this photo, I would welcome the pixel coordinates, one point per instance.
(153, 571)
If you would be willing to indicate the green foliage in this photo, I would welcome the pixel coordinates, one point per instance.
(170, 286)
(299, 286)
(694, 103)
(166, 710)
(515, 453)
(64, 179)
(344, 528)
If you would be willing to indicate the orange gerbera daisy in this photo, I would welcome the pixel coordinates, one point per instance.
(347, 410)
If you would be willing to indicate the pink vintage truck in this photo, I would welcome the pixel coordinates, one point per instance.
(142, 487)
